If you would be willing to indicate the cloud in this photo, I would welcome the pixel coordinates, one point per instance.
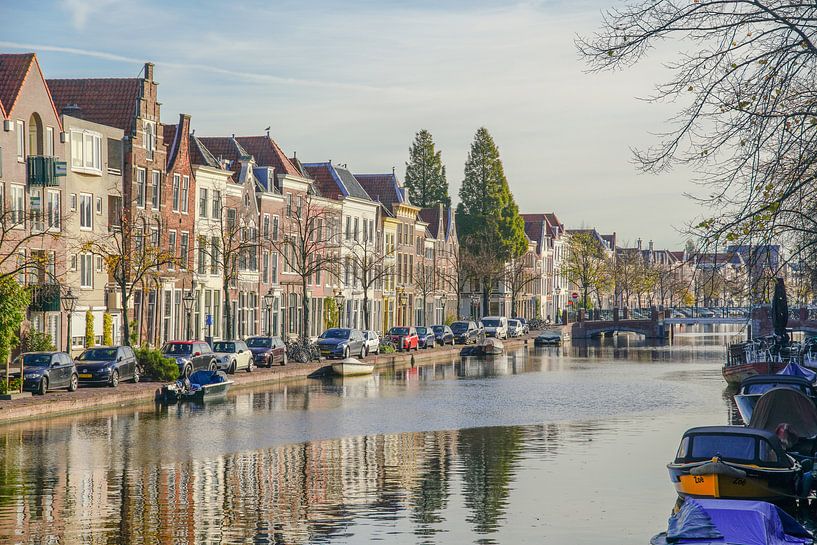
(81, 10)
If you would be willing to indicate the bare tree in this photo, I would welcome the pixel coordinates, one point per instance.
(518, 277)
(457, 268)
(309, 245)
(424, 279)
(368, 266)
(21, 230)
(745, 73)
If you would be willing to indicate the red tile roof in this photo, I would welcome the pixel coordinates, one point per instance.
(432, 217)
(13, 71)
(384, 188)
(225, 147)
(267, 153)
(324, 180)
(109, 101)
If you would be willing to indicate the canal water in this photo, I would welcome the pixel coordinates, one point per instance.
(546, 446)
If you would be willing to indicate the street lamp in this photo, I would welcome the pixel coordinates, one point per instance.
(339, 300)
(188, 307)
(69, 302)
(268, 299)
(474, 303)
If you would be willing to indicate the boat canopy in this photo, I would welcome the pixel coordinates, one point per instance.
(204, 377)
(785, 406)
(760, 384)
(795, 370)
(736, 444)
(704, 522)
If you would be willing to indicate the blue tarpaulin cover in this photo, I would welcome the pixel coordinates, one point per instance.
(794, 370)
(204, 377)
(732, 522)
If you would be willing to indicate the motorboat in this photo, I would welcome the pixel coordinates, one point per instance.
(791, 416)
(352, 366)
(549, 337)
(754, 387)
(734, 462)
(710, 522)
(202, 385)
(491, 346)
(737, 373)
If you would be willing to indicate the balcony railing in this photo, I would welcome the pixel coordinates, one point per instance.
(44, 171)
(45, 298)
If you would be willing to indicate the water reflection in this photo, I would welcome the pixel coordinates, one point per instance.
(279, 465)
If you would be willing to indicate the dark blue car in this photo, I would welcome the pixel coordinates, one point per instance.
(107, 365)
(43, 371)
(342, 342)
(426, 337)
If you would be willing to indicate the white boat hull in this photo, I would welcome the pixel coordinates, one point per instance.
(351, 367)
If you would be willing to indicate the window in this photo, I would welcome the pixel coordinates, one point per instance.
(49, 141)
(202, 255)
(265, 268)
(21, 141)
(36, 209)
(99, 206)
(141, 183)
(86, 151)
(289, 205)
(2, 200)
(275, 228)
(348, 227)
(18, 205)
(231, 215)
(114, 156)
(73, 262)
(203, 202)
(73, 202)
(216, 204)
(265, 227)
(215, 254)
(184, 250)
(114, 212)
(185, 191)
(171, 248)
(155, 197)
(299, 206)
(150, 138)
(176, 183)
(357, 229)
(53, 209)
(86, 270)
(99, 263)
(85, 211)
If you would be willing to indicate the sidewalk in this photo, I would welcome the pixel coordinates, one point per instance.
(61, 402)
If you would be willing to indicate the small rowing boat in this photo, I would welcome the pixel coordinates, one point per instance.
(351, 366)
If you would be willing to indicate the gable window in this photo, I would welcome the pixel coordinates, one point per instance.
(150, 139)
(86, 152)
(185, 193)
(157, 185)
(203, 202)
(141, 187)
(176, 184)
(21, 141)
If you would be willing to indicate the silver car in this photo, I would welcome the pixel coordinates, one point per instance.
(372, 342)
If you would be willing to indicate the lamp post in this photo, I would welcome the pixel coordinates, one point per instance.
(268, 298)
(69, 302)
(339, 300)
(474, 302)
(188, 307)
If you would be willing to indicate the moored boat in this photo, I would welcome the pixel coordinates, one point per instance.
(351, 367)
(707, 522)
(738, 372)
(754, 387)
(203, 385)
(734, 462)
(792, 416)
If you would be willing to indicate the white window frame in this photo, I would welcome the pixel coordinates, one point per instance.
(49, 141)
(86, 271)
(150, 139)
(18, 197)
(185, 194)
(156, 195)
(83, 208)
(171, 248)
(203, 197)
(21, 140)
(141, 187)
(80, 141)
(54, 213)
(99, 206)
(177, 186)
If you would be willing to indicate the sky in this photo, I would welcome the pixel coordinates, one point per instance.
(353, 81)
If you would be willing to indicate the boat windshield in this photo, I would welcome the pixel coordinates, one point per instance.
(490, 323)
(399, 331)
(730, 447)
(223, 346)
(335, 333)
(459, 327)
(760, 389)
(98, 354)
(259, 342)
(36, 360)
(177, 348)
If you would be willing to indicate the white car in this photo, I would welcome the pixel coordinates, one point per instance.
(372, 342)
(232, 356)
(496, 326)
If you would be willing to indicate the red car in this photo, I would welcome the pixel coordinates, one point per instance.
(404, 338)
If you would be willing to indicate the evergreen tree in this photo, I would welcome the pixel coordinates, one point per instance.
(425, 173)
(487, 216)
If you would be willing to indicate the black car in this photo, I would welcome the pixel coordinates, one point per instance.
(443, 334)
(190, 356)
(426, 337)
(107, 365)
(465, 332)
(342, 342)
(43, 371)
(267, 351)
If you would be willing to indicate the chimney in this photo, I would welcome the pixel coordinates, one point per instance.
(149, 71)
(650, 246)
(71, 109)
(638, 245)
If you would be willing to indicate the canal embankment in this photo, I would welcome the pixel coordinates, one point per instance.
(92, 398)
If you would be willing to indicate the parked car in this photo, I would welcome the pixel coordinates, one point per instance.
(514, 328)
(107, 365)
(443, 335)
(404, 338)
(372, 339)
(425, 337)
(232, 356)
(465, 332)
(525, 325)
(43, 371)
(496, 326)
(342, 342)
(267, 351)
(190, 356)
